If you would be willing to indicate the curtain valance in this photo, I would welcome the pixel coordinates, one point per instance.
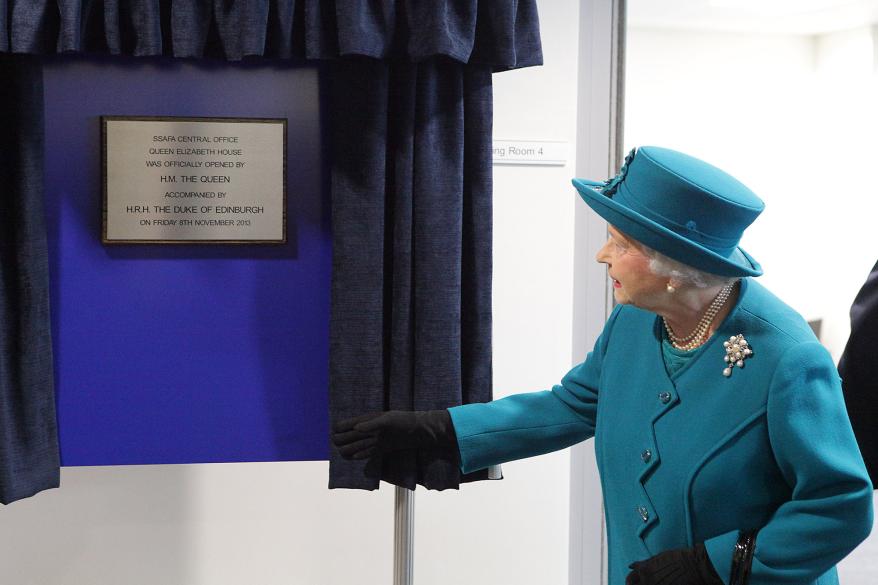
(500, 34)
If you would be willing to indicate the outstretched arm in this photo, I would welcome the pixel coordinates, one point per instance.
(524, 425)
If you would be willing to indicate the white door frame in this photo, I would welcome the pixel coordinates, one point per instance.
(598, 153)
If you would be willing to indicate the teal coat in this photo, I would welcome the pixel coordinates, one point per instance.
(698, 456)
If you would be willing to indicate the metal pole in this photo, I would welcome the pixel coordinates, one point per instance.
(404, 537)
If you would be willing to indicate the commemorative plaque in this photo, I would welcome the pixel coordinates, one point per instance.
(194, 180)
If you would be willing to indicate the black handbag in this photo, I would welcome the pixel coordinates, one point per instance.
(742, 557)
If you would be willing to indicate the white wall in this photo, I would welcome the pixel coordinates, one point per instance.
(197, 525)
(277, 523)
(791, 117)
(794, 118)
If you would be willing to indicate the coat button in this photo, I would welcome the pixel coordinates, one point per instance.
(644, 513)
(665, 397)
(646, 455)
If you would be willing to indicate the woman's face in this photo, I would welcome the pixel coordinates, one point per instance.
(633, 282)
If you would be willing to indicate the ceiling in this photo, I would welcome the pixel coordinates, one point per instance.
(802, 17)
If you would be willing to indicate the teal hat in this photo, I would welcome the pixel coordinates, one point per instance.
(680, 206)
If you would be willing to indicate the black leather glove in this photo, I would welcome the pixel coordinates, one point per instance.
(685, 566)
(372, 434)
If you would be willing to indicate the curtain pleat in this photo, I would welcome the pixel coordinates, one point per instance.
(411, 311)
(29, 456)
(359, 96)
(445, 27)
(437, 192)
(400, 261)
(477, 237)
(503, 35)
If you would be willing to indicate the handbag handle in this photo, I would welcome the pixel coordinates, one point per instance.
(742, 557)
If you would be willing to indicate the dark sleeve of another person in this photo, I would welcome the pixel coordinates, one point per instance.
(858, 368)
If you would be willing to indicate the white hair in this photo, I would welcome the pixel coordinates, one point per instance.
(683, 273)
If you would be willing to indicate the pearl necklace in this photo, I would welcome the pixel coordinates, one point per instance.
(695, 338)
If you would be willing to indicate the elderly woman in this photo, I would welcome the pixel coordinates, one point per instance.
(722, 440)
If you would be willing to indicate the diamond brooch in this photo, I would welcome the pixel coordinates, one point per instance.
(737, 350)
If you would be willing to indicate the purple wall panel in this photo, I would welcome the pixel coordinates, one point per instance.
(185, 354)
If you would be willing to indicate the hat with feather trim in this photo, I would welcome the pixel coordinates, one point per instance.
(680, 206)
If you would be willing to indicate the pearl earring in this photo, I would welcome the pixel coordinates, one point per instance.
(671, 289)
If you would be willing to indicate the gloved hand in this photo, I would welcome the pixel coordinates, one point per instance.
(372, 434)
(685, 566)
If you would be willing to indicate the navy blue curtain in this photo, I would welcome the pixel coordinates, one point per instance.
(411, 115)
(28, 433)
(411, 306)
